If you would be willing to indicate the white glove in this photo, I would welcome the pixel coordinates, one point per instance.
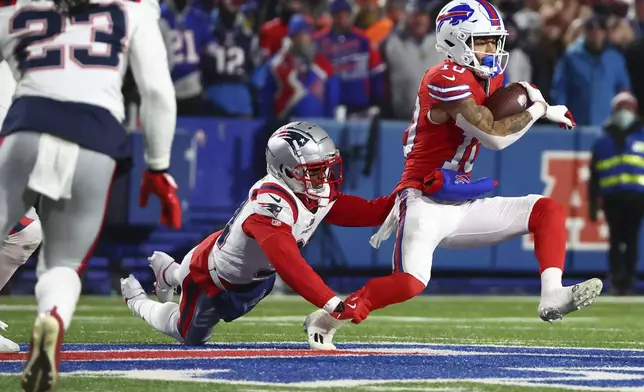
(535, 95)
(560, 115)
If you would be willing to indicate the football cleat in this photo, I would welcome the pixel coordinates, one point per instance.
(569, 299)
(7, 345)
(132, 289)
(320, 327)
(162, 264)
(43, 361)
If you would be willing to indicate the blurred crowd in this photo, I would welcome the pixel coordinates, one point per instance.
(277, 59)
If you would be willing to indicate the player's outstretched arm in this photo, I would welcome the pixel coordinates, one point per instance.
(477, 120)
(354, 211)
(149, 62)
(278, 244)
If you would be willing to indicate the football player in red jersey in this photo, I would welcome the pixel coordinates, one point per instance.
(447, 130)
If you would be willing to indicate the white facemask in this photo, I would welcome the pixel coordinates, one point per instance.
(623, 119)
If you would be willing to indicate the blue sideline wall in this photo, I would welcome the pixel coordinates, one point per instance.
(213, 164)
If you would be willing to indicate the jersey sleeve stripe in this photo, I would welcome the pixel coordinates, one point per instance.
(447, 90)
(276, 189)
(451, 98)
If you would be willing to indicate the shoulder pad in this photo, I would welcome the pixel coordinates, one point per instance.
(274, 201)
(449, 82)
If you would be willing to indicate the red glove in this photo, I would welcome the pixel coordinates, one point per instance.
(355, 309)
(164, 187)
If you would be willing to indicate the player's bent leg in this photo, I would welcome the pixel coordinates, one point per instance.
(162, 317)
(494, 220)
(166, 273)
(70, 228)
(422, 224)
(197, 314)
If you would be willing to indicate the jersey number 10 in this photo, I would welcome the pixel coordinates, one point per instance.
(53, 56)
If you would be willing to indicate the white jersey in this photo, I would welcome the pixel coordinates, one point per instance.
(83, 58)
(238, 258)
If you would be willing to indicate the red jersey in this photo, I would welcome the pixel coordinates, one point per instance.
(429, 146)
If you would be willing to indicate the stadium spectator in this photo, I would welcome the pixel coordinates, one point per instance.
(635, 64)
(616, 177)
(589, 74)
(273, 32)
(186, 32)
(229, 65)
(395, 11)
(639, 18)
(408, 53)
(356, 63)
(371, 18)
(299, 81)
(519, 69)
(544, 47)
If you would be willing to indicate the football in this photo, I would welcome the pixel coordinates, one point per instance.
(507, 101)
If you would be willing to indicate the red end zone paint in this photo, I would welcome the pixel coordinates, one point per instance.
(200, 354)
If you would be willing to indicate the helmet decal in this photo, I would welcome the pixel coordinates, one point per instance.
(295, 139)
(455, 15)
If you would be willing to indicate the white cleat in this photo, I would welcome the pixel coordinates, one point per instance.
(132, 289)
(7, 345)
(320, 327)
(569, 299)
(162, 264)
(43, 363)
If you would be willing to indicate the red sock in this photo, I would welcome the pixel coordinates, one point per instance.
(389, 290)
(548, 224)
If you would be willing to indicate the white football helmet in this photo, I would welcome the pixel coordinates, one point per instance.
(459, 22)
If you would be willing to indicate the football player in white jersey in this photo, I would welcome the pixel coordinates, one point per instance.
(63, 136)
(228, 273)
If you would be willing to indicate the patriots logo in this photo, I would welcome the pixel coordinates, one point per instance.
(455, 15)
(294, 139)
(274, 209)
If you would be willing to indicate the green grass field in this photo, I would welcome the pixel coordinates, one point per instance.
(458, 322)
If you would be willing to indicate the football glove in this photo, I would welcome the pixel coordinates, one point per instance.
(534, 94)
(355, 309)
(450, 185)
(560, 115)
(165, 188)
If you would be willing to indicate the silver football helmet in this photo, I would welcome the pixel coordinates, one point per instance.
(303, 156)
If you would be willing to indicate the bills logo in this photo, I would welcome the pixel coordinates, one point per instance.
(455, 15)
(461, 179)
(566, 175)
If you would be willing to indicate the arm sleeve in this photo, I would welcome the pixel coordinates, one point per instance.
(354, 211)
(277, 242)
(149, 63)
(448, 86)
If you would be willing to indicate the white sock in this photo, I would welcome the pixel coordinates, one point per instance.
(161, 316)
(551, 280)
(172, 275)
(59, 287)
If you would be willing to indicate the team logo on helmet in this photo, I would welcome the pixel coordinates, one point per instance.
(455, 15)
(295, 140)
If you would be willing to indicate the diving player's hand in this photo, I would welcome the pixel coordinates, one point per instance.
(355, 309)
(163, 186)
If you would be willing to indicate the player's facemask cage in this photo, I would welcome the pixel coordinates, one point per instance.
(321, 180)
(490, 65)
